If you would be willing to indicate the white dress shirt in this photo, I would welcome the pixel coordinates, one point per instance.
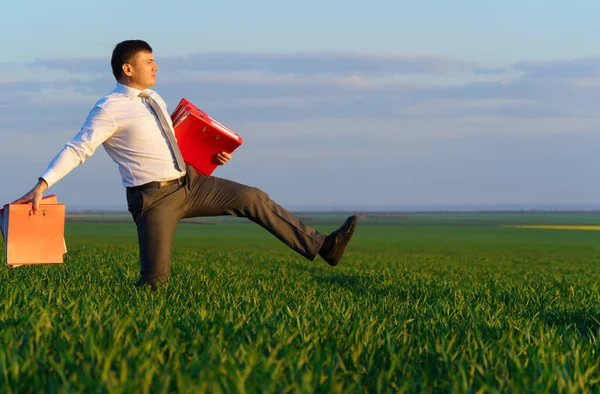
(131, 135)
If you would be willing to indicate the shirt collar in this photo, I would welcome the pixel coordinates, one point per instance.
(127, 91)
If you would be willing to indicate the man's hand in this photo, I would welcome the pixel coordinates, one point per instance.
(34, 195)
(223, 158)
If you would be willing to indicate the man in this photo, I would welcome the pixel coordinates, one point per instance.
(133, 125)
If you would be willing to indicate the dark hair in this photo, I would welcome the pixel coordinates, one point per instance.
(124, 52)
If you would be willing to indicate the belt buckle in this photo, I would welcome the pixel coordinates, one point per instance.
(172, 182)
(162, 184)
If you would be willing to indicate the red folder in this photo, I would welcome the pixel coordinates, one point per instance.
(200, 137)
(34, 238)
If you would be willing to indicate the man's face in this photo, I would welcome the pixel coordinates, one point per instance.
(141, 72)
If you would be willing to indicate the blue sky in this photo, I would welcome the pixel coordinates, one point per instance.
(341, 104)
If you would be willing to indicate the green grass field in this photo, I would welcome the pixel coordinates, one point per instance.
(420, 303)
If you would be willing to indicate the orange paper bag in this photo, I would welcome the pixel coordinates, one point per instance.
(34, 238)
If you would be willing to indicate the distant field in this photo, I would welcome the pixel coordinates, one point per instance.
(556, 227)
(420, 303)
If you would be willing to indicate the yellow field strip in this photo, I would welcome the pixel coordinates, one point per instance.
(556, 227)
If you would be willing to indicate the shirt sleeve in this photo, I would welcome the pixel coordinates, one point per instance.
(98, 127)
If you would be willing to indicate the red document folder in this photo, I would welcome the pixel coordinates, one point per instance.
(200, 137)
(34, 239)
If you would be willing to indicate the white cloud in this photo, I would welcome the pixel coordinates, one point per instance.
(295, 63)
(338, 129)
(563, 69)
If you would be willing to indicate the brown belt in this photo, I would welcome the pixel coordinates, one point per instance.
(159, 184)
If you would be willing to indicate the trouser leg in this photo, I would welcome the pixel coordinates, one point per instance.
(212, 196)
(156, 213)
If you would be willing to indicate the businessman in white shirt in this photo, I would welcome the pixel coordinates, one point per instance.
(133, 126)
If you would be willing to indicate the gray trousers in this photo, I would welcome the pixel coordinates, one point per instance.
(157, 211)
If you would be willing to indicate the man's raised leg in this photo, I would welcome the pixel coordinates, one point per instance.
(212, 196)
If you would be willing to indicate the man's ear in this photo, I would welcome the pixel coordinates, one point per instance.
(127, 69)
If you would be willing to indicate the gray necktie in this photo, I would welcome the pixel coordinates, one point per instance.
(165, 128)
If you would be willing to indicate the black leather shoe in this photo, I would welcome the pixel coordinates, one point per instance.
(341, 237)
(153, 283)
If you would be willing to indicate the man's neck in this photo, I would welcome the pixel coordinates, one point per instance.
(133, 85)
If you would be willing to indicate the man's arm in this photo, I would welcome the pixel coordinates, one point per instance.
(98, 127)
(34, 195)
